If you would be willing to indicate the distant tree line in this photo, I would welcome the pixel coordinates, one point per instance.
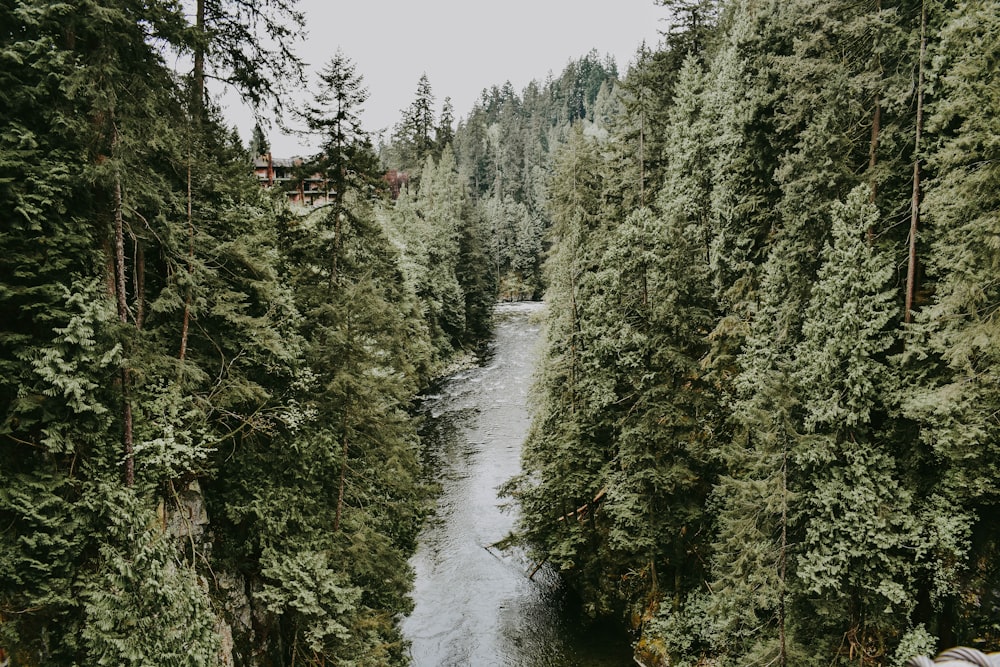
(502, 151)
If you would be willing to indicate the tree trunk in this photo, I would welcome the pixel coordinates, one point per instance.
(642, 158)
(140, 285)
(338, 198)
(678, 569)
(783, 563)
(343, 479)
(873, 147)
(127, 437)
(186, 321)
(876, 126)
(198, 76)
(197, 108)
(911, 265)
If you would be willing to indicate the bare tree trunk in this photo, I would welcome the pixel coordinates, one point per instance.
(911, 265)
(198, 76)
(127, 437)
(186, 322)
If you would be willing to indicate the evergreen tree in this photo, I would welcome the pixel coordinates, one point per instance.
(663, 449)
(440, 244)
(952, 354)
(156, 246)
(140, 608)
(98, 351)
(566, 454)
(413, 136)
(333, 529)
(743, 158)
(347, 160)
(431, 238)
(248, 46)
(691, 24)
(854, 512)
(640, 93)
(258, 142)
(444, 133)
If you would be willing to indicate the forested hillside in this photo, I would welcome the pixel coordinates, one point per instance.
(767, 422)
(207, 448)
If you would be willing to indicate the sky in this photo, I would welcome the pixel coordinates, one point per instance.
(463, 46)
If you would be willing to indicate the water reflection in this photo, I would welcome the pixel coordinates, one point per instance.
(475, 605)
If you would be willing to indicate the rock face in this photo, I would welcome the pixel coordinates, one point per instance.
(188, 519)
(239, 625)
(235, 623)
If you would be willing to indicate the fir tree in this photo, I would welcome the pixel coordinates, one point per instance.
(854, 511)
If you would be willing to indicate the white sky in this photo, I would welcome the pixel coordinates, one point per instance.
(463, 46)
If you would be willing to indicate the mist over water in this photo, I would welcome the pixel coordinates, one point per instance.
(474, 603)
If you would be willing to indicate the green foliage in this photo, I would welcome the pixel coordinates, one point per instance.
(847, 325)
(566, 452)
(308, 585)
(439, 236)
(141, 606)
(251, 47)
(43, 542)
(834, 465)
(168, 327)
(951, 353)
(736, 441)
(916, 642)
(414, 136)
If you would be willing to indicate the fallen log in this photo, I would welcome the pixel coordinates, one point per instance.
(581, 511)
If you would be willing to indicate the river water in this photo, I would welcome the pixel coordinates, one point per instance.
(474, 603)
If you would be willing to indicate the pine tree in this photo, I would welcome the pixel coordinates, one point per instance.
(444, 133)
(248, 46)
(347, 160)
(86, 442)
(413, 135)
(140, 608)
(427, 228)
(663, 461)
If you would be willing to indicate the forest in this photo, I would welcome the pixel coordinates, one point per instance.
(766, 422)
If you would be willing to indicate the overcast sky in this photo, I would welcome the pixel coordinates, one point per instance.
(462, 45)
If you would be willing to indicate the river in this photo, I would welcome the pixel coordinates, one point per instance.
(474, 604)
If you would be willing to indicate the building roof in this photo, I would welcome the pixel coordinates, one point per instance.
(260, 162)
